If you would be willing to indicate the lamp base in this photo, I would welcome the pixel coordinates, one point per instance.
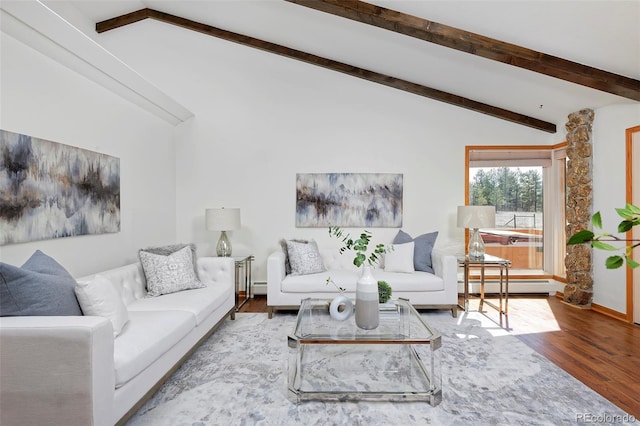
(223, 249)
(476, 246)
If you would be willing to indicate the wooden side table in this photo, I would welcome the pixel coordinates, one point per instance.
(243, 279)
(488, 262)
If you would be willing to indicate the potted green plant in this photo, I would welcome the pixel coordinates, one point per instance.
(631, 217)
(384, 292)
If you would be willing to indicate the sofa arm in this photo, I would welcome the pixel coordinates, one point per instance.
(217, 270)
(446, 267)
(56, 370)
(275, 273)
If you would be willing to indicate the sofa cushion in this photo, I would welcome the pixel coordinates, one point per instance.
(99, 297)
(418, 281)
(345, 278)
(400, 258)
(168, 274)
(423, 247)
(147, 336)
(128, 279)
(399, 282)
(40, 287)
(172, 248)
(200, 302)
(333, 259)
(304, 258)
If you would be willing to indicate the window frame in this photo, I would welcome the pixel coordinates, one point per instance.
(554, 190)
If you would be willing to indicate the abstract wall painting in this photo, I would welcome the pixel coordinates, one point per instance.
(50, 190)
(348, 200)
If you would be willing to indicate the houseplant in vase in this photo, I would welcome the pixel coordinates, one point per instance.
(384, 292)
(367, 312)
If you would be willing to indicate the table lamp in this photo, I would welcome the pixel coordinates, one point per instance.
(476, 217)
(223, 220)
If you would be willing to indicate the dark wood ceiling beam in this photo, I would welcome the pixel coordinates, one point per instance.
(479, 45)
(372, 76)
(121, 21)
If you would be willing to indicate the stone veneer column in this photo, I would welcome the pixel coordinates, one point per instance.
(579, 201)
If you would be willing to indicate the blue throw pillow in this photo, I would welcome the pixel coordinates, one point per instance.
(422, 249)
(41, 287)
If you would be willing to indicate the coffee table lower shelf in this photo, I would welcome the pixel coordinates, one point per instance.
(362, 372)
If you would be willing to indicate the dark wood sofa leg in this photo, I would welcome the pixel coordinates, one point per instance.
(270, 311)
(454, 311)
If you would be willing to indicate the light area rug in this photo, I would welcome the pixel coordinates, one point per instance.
(239, 377)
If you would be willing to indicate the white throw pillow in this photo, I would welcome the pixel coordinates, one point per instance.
(99, 297)
(168, 274)
(304, 258)
(400, 259)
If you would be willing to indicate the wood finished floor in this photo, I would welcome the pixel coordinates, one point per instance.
(600, 351)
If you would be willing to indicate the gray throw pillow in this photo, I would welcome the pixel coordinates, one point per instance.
(287, 264)
(422, 249)
(41, 287)
(304, 258)
(285, 250)
(169, 274)
(172, 248)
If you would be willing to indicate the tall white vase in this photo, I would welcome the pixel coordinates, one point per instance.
(367, 311)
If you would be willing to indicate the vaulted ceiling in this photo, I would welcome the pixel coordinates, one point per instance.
(529, 62)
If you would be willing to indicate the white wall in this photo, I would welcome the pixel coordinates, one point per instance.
(609, 180)
(41, 98)
(264, 119)
(247, 154)
(261, 118)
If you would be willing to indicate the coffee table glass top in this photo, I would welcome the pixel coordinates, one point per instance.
(399, 323)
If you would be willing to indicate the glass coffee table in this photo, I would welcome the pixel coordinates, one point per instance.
(333, 360)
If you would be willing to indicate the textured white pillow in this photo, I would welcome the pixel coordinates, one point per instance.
(99, 297)
(400, 259)
(168, 274)
(304, 258)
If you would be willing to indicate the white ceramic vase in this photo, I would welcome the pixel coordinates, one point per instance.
(341, 308)
(367, 311)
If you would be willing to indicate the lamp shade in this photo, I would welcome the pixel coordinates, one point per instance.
(222, 219)
(476, 217)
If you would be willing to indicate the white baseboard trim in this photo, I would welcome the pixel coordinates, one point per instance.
(549, 287)
(259, 288)
(491, 287)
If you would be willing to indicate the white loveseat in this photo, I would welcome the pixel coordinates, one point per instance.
(423, 289)
(70, 370)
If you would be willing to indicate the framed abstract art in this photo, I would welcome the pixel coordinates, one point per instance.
(51, 190)
(348, 200)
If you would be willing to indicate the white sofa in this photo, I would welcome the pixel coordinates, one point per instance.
(423, 289)
(70, 370)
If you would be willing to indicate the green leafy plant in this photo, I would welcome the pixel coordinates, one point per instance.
(631, 217)
(360, 246)
(384, 292)
(340, 289)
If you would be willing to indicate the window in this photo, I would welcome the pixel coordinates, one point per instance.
(526, 185)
